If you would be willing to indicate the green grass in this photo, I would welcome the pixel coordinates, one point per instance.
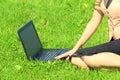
(59, 24)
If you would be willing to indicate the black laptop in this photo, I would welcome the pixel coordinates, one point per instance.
(33, 47)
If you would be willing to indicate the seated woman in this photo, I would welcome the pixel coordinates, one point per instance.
(104, 55)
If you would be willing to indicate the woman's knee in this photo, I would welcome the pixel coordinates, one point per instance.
(78, 62)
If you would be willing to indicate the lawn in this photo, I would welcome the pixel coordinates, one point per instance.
(59, 24)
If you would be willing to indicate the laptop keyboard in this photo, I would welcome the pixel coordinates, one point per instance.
(46, 55)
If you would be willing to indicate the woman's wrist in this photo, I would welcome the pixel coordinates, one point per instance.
(74, 50)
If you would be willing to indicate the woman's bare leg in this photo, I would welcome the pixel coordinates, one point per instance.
(104, 59)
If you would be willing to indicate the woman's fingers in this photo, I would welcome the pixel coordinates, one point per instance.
(64, 55)
(61, 56)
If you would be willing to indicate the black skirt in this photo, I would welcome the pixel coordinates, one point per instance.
(112, 46)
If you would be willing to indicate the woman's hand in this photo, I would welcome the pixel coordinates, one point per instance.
(67, 54)
(116, 34)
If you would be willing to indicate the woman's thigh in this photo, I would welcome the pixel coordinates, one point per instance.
(104, 59)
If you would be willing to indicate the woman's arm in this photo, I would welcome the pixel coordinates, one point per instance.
(89, 30)
(91, 26)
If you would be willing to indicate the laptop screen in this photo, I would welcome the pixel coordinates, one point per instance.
(30, 39)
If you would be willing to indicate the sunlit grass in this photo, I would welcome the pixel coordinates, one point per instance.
(59, 24)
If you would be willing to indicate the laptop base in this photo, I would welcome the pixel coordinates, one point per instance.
(49, 54)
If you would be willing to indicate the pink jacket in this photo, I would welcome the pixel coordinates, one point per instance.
(113, 13)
